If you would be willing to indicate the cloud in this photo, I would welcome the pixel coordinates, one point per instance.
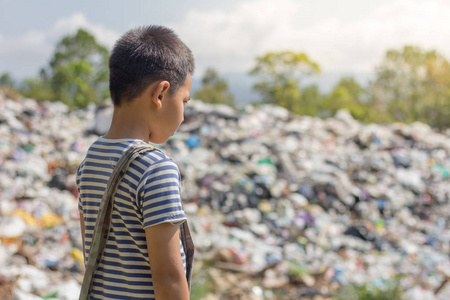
(230, 37)
(230, 40)
(31, 41)
(360, 44)
(103, 35)
(25, 53)
(35, 42)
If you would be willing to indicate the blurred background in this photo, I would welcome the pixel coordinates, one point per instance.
(314, 154)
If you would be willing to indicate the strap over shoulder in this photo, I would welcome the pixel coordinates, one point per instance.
(101, 230)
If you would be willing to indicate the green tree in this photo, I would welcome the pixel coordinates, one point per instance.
(76, 75)
(37, 88)
(414, 85)
(214, 89)
(280, 75)
(311, 98)
(6, 80)
(8, 87)
(346, 94)
(78, 71)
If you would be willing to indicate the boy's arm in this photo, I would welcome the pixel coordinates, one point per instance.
(169, 278)
(82, 231)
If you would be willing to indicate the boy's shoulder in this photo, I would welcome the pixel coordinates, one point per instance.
(108, 149)
(156, 157)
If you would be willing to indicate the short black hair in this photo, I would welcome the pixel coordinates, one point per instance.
(144, 55)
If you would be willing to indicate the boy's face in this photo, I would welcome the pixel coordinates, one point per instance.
(171, 114)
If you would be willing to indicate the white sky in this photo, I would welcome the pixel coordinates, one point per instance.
(342, 36)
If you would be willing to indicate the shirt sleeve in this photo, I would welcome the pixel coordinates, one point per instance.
(78, 180)
(161, 200)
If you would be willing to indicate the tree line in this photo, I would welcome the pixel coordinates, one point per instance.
(410, 84)
(77, 73)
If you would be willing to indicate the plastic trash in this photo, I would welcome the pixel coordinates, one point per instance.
(345, 202)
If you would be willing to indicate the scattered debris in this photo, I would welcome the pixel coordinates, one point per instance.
(275, 201)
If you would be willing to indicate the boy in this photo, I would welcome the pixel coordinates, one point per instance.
(150, 81)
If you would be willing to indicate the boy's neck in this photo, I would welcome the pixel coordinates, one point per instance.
(125, 125)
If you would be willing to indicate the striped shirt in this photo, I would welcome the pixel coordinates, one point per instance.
(148, 195)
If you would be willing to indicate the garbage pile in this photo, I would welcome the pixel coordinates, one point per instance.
(279, 205)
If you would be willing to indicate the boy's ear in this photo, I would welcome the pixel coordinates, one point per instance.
(160, 91)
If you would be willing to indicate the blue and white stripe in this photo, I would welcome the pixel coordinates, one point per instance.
(148, 195)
